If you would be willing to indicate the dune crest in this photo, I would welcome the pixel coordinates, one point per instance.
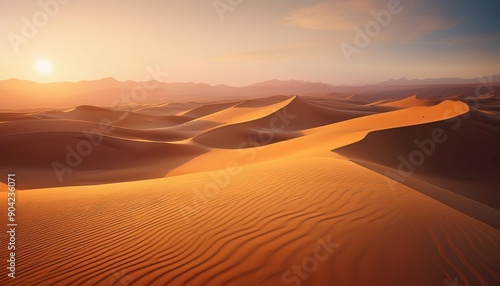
(409, 102)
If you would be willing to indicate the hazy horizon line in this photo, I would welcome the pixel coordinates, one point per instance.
(403, 78)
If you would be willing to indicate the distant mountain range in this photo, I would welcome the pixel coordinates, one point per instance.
(433, 81)
(15, 93)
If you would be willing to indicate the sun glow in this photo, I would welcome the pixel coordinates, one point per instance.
(43, 66)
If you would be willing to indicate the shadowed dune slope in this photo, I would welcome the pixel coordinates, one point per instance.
(97, 159)
(123, 118)
(465, 158)
(424, 92)
(91, 128)
(488, 104)
(13, 116)
(262, 102)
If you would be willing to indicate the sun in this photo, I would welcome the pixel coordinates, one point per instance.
(43, 66)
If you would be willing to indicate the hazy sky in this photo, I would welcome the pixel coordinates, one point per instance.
(239, 42)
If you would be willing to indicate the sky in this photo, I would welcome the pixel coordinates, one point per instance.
(240, 42)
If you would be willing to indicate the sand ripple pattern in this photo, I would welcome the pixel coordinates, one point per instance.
(266, 220)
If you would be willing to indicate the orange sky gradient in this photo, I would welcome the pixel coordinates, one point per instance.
(249, 41)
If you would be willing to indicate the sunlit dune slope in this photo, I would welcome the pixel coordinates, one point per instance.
(409, 102)
(258, 223)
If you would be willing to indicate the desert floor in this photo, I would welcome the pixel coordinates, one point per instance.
(283, 190)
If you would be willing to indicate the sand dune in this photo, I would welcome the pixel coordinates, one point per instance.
(165, 236)
(283, 124)
(469, 143)
(208, 109)
(245, 190)
(409, 102)
(246, 112)
(261, 102)
(124, 117)
(322, 139)
(8, 117)
(167, 108)
(92, 129)
(96, 159)
(306, 114)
